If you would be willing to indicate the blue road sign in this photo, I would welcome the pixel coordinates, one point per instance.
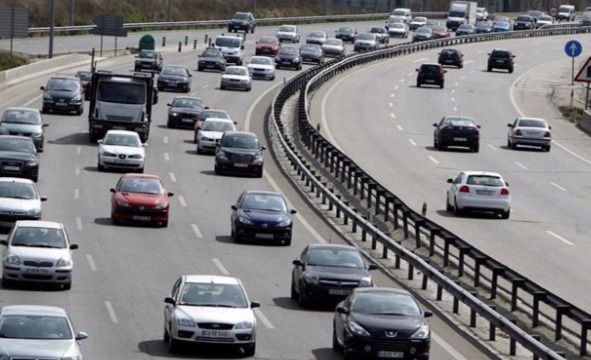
(573, 48)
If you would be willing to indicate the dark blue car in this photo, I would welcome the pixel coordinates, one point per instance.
(502, 26)
(262, 216)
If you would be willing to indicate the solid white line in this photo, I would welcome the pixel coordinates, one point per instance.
(455, 108)
(182, 201)
(582, 158)
(172, 177)
(492, 147)
(390, 104)
(91, 263)
(166, 156)
(420, 60)
(111, 312)
(399, 128)
(393, 116)
(557, 186)
(555, 235)
(433, 160)
(447, 347)
(392, 95)
(77, 170)
(196, 230)
(165, 139)
(78, 150)
(220, 266)
(259, 313)
(412, 142)
(521, 165)
(76, 194)
(32, 100)
(79, 223)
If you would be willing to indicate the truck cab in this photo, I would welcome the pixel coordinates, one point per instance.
(231, 47)
(461, 12)
(566, 12)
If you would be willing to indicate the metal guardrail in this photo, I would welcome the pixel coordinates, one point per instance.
(393, 209)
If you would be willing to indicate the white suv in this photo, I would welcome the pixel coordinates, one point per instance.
(231, 47)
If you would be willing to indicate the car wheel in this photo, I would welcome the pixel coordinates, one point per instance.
(335, 342)
(169, 124)
(418, 84)
(7, 283)
(165, 336)
(448, 207)
(199, 151)
(441, 85)
(547, 148)
(249, 350)
(35, 178)
(489, 69)
(349, 355)
(164, 223)
(100, 167)
(299, 67)
(457, 211)
(199, 68)
(140, 170)
(173, 345)
(216, 170)
(80, 111)
(511, 71)
(294, 293)
(235, 237)
(506, 214)
(68, 285)
(435, 143)
(475, 148)
(272, 78)
(222, 87)
(259, 173)
(460, 66)
(115, 221)
(513, 145)
(44, 110)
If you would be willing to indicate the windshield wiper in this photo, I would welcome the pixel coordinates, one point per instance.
(46, 246)
(20, 244)
(389, 313)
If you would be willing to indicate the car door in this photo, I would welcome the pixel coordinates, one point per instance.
(298, 270)
(453, 189)
(169, 308)
(340, 320)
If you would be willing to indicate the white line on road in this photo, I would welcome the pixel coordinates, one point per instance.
(91, 263)
(557, 186)
(205, 86)
(456, 84)
(396, 87)
(455, 108)
(412, 142)
(521, 165)
(172, 177)
(390, 104)
(492, 147)
(196, 230)
(220, 266)
(555, 235)
(420, 60)
(111, 312)
(79, 223)
(182, 201)
(76, 194)
(433, 160)
(77, 170)
(32, 100)
(453, 91)
(399, 128)
(393, 116)
(453, 99)
(392, 95)
(402, 80)
(468, 62)
(165, 139)
(448, 348)
(166, 156)
(78, 150)
(263, 319)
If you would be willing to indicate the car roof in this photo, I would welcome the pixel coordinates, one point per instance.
(21, 108)
(237, 67)
(122, 132)
(332, 246)
(530, 118)
(262, 192)
(16, 180)
(186, 98)
(213, 119)
(486, 173)
(15, 137)
(240, 133)
(369, 290)
(175, 66)
(215, 110)
(33, 310)
(215, 279)
(64, 76)
(224, 36)
(39, 224)
(141, 176)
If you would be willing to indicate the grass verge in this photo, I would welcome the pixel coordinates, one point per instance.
(8, 61)
(572, 114)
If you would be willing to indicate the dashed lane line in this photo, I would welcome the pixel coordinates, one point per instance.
(79, 223)
(521, 165)
(399, 127)
(435, 161)
(172, 177)
(76, 194)
(220, 266)
(182, 201)
(165, 139)
(412, 142)
(261, 316)
(91, 263)
(558, 186)
(556, 236)
(111, 312)
(492, 147)
(196, 231)
(166, 156)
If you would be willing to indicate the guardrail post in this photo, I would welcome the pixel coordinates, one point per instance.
(434, 233)
(492, 329)
(385, 250)
(371, 185)
(405, 222)
(439, 294)
(463, 250)
(388, 199)
(537, 337)
(194, 44)
(472, 311)
(516, 284)
(585, 325)
(164, 41)
(512, 343)
(560, 310)
(456, 305)
(180, 46)
(496, 271)
(395, 220)
(446, 244)
(186, 40)
(397, 261)
(537, 295)
(425, 281)
(478, 260)
(418, 224)
(205, 38)
(411, 270)
(379, 194)
(354, 227)
(363, 179)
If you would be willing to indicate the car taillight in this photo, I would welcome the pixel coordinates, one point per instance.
(465, 189)
(518, 132)
(504, 191)
(547, 134)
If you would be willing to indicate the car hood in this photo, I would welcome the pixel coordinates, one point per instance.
(9, 204)
(332, 47)
(343, 273)
(271, 217)
(229, 50)
(136, 199)
(184, 110)
(377, 324)
(216, 314)
(120, 112)
(211, 58)
(238, 151)
(286, 34)
(13, 155)
(308, 53)
(61, 93)
(173, 77)
(234, 77)
(22, 128)
(40, 254)
(455, 19)
(127, 150)
(286, 56)
(37, 348)
(395, 29)
(216, 135)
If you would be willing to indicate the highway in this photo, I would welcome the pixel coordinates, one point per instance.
(123, 273)
(547, 236)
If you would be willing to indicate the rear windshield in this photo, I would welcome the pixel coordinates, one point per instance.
(430, 68)
(174, 71)
(268, 40)
(84, 75)
(287, 28)
(227, 42)
(501, 54)
(21, 117)
(333, 42)
(187, 103)
(240, 16)
(531, 123)
(366, 37)
(523, 18)
(289, 50)
(484, 180)
(217, 126)
(147, 54)
(63, 84)
(385, 304)
(335, 257)
(317, 34)
(122, 93)
(346, 30)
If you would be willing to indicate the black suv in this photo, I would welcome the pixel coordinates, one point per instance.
(148, 60)
(63, 93)
(500, 59)
(431, 74)
(243, 21)
(524, 22)
(451, 57)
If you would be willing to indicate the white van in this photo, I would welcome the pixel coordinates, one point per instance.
(404, 13)
(566, 12)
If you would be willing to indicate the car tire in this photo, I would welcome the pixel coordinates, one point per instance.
(44, 110)
(199, 151)
(546, 148)
(448, 207)
(457, 210)
(435, 143)
(100, 167)
(336, 347)
(199, 68)
(169, 124)
(489, 69)
(115, 221)
(222, 87)
(173, 345)
(461, 66)
(165, 336)
(293, 292)
(68, 285)
(476, 148)
(418, 84)
(235, 237)
(80, 111)
(35, 178)
(441, 86)
(511, 71)
(164, 224)
(302, 300)
(216, 170)
(140, 170)
(7, 283)
(506, 214)
(250, 350)
(272, 78)
(259, 174)
(349, 355)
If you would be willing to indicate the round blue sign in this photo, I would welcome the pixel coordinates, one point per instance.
(573, 48)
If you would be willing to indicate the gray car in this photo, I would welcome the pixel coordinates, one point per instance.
(530, 132)
(366, 42)
(38, 332)
(19, 200)
(24, 122)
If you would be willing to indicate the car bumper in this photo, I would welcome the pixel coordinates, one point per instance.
(266, 51)
(116, 163)
(233, 59)
(459, 140)
(473, 202)
(263, 233)
(24, 172)
(238, 27)
(262, 74)
(8, 221)
(146, 66)
(326, 293)
(239, 168)
(287, 38)
(176, 85)
(530, 141)
(36, 274)
(397, 33)
(196, 335)
(311, 59)
(235, 85)
(62, 106)
(135, 214)
(207, 145)
(211, 65)
(180, 121)
(287, 64)
(377, 348)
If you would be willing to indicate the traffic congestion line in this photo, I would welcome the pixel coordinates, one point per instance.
(556, 236)
(111, 312)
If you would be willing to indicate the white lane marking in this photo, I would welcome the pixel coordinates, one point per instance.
(182, 201)
(453, 99)
(453, 91)
(580, 157)
(111, 312)
(220, 266)
(402, 80)
(91, 263)
(468, 62)
(205, 86)
(172, 177)
(433, 160)
(76, 194)
(392, 95)
(556, 236)
(447, 347)
(412, 142)
(557, 186)
(492, 147)
(521, 165)
(165, 139)
(78, 150)
(77, 170)
(456, 84)
(79, 223)
(390, 104)
(259, 313)
(196, 230)
(399, 128)
(420, 60)
(166, 156)
(32, 100)
(455, 108)
(393, 116)
(396, 87)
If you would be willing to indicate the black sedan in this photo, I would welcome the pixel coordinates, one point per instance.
(288, 57)
(184, 111)
(328, 272)
(456, 131)
(212, 58)
(451, 57)
(466, 29)
(312, 53)
(423, 33)
(18, 157)
(262, 215)
(380, 323)
(239, 152)
(175, 77)
(346, 33)
(63, 93)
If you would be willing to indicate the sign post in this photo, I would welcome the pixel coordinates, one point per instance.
(110, 26)
(584, 75)
(573, 48)
(14, 23)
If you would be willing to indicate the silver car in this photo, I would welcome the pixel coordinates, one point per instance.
(209, 135)
(366, 42)
(210, 309)
(398, 30)
(38, 251)
(22, 121)
(121, 149)
(38, 332)
(236, 77)
(19, 200)
(478, 191)
(333, 47)
(288, 33)
(530, 132)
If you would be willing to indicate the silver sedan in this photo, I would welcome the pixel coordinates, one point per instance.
(530, 132)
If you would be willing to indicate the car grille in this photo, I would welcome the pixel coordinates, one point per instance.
(37, 277)
(217, 340)
(215, 326)
(339, 283)
(241, 158)
(16, 133)
(38, 263)
(390, 345)
(119, 118)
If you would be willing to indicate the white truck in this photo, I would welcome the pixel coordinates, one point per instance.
(461, 12)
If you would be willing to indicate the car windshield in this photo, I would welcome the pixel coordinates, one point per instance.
(217, 126)
(523, 18)
(397, 26)
(17, 145)
(377, 30)
(483, 24)
(122, 140)
(311, 48)
(84, 75)
(289, 50)
(141, 186)
(215, 114)
(424, 30)
(188, 103)
(317, 34)
(122, 93)
(448, 52)
(227, 42)
(21, 117)
(16, 190)
(240, 142)
(466, 27)
(261, 60)
(236, 71)
(178, 71)
(336, 42)
(147, 54)
(419, 19)
(240, 16)
(212, 52)
(439, 29)
(386, 303)
(39, 237)
(59, 84)
(366, 37)
(287, 28)
(214, 295)
(564, 8)
(335, 257)
(346, 30)
(263, 202)
(399, 12)
(430, 68)
(268, 40)
(502, 24)
(35, 327)
(545, 18)
(485, 180)
(531, 123)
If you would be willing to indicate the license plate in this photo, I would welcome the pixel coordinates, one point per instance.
(118, 127)
(141, 218)
(37, 271)
(238, 165)
(484, 192)
(61, 104)
(391, 354)
(12, 168)
(210, 65)
(264, 236)
(460, 139)
(430, 81)
(500, 61)
(187, 120)
(215, 333)
(287, 62)
(339, 291)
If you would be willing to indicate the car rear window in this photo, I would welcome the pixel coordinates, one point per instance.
(531, 123)
(430, 68)
(484, 180)
(501, 54)
(523, 18)
(461, 122)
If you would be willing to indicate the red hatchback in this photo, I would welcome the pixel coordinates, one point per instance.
(140, 197)
(267, 46)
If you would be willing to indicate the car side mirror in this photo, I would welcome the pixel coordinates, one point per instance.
(81, 335)
(263, 148)
(450, 181)
(435, 124)
(488, 54)
(112, 190)
(42, 87)
(190, 75)
(427, 314)
(169, 300)
(242, 47)
(43, 198)
(100, 141)
(478, 126)
(506, 184)
(444, 71)
(235, 122)
(170, 194)
(199, 55)
(549, 127)
(255, 304)
(45, 125)
(510, 125)
(417, 70)
(4, 242)
(234, 207)
(293, 211)
(513, 56)
(372, 267)
(73, 246)
(297, 262)
(342, 310)
(136, 56)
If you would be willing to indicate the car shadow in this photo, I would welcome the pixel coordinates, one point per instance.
(288, 303)
(208, 172)
(191, 152)
(162, 126)
(482, 215)
(189, 142)
(325, 354)
(157, 348)
(523, 148)
(131, 224)
(456, 149)
(91, 169)
(425, 86)
(72, 139)
(33, 286)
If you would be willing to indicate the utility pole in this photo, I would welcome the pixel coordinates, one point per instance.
(51, 25)
(72, 7)
(169, 10)
(255, 7)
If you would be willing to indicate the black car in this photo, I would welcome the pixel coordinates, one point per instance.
(184, 111)
(451, 57)
(328, 272)
(346, 33)
(18, 157)
(456, 131)
(535, 14)
(379, 323)
(466, 29)
(27, 122)
(148, 60)
(431, 74)
(483, 27)
(175, 77)
(211, 58)
(243, 21)
(262, 215)
(86, 82)
(423, 33)
(381, 33)
(288, 57)
(63, 93)
(500, 59)
(524, 22)
(312, 53)
(239, 152)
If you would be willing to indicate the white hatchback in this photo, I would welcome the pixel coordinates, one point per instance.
(479, 191)
(236, 77)
(262, 67)
(209, 135)
(121, 149)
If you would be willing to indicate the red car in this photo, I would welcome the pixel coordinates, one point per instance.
(267, 45)
(440, 32)
(140, 197)
(86, 82)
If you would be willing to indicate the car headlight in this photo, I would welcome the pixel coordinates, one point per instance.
(63, 263)
(12, 260)
(296, 59)
(36, 136)
(174, 114)
(422, 332)
(357, 329)
(244, 220)
(366, 281)
(205, 138)
(32, 163)
(185, 322)
(222, 156)
(243, 325)
(108, 154)
(47, 97)
(122, 203)
(284, 223)
(135, 156)
(161, 205)
(77, 98)
(33, 212)
(311, 278)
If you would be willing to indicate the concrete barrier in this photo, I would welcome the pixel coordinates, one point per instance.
(585, 122)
